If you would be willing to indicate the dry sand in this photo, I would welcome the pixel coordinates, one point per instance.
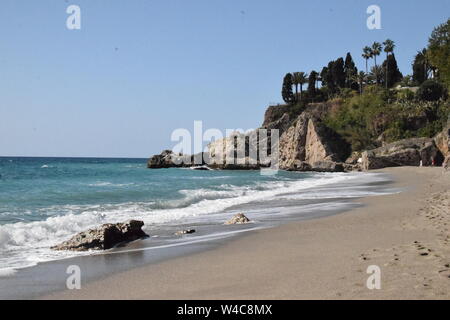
(406, 235)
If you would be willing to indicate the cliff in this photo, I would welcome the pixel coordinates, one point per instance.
(306, 143)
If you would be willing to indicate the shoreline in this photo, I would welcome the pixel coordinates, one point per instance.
(322, 258)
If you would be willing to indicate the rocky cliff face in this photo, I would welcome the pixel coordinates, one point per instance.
(305, 144)
(408, 152)
(308, 142)
(442, 141)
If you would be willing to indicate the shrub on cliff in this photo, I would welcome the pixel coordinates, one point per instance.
(431, 90)
(385, 116)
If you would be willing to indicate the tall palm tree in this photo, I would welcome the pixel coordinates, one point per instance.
(367, 54)
(376, 51)
(389, 47)
(303, 79)
(296, 82)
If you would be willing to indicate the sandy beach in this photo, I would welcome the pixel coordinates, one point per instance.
(405, 234)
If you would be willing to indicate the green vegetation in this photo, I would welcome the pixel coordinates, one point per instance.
(380, 105)
(364, 121)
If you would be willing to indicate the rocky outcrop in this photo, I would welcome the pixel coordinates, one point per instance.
(168, 159)
(442, 141)
(239, 218)
(164, 160)
(309, 141)
(408, 152)
(277, 117)
(240, 151)
(104, 237)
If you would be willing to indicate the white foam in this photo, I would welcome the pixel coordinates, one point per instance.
(7, 272)
(25, 244)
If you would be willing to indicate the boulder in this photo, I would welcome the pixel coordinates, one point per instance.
(239, 218)
(104, 237)
(327, 166)
(298, 165)
(407, 152)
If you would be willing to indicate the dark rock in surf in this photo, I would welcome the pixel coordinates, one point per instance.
(104, 237)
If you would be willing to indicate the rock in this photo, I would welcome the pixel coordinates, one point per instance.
(327, 166)
(239, 218)
(182, 232)
(277, 117)
(351, 167)
(164, 160)
(282, 123)
(408, 152)
(104, 237)
(354, 158)
(229, 154)
(168, 159)
(442, 141)
(309, 140)
(298, 165)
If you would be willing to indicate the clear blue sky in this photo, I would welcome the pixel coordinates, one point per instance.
(139, 69)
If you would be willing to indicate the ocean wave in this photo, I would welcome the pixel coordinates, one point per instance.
(27, 243)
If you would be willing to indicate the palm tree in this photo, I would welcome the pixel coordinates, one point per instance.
(296, 82)
(303, 79)
(374, 72)
(389, 47)
(367, 54)
(360, 78)
(376, 51)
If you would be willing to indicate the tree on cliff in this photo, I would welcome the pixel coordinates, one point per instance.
(376, 51)
(303, 79)
(296, 82)
(439, 51)
(360, 78)
(421, 67)
(350, 71)
(392, 74)
(389, 47)
(367, 54)
(339, 73)
(286, 91)
(312, 84)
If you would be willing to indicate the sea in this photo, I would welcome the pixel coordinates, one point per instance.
(44, 201)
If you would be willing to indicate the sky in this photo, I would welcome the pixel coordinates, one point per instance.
(137, 70)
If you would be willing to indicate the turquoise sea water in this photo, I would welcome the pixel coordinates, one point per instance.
(46, 200)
